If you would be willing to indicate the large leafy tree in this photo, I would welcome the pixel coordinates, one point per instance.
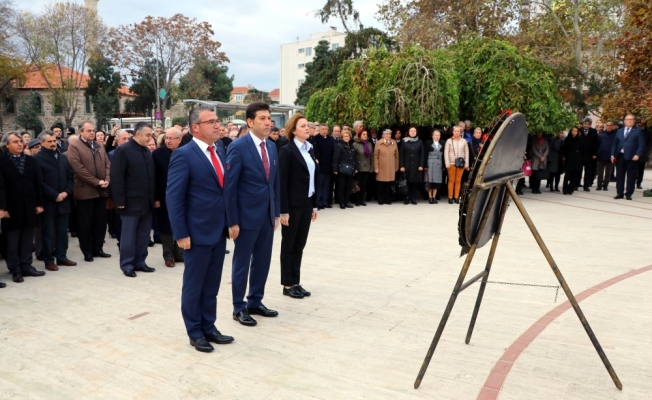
(207, 80)
(254, 95)
(342, 10)
(12, 68)
(634, 90)
(103, 89)
(28, 113)
(59, 42)
(145, 90)
(174, 42)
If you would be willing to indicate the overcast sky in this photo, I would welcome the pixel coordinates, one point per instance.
(251, 31)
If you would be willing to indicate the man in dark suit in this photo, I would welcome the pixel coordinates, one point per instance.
(324, 148)
(58, 180)
(195, 201)
(253, 212)
(132, 189)
(626, 150)
(589, 152)
(22, 181)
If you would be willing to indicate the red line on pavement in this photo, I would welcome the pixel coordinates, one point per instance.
(498, 375)
(587, 208)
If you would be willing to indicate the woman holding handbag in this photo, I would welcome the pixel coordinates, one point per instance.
(539, 150)
(386, 165)
(345, 165)
(364, 150)
(412, 160)
(456, 157)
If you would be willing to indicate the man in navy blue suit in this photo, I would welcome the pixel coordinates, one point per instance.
(195, 201)
(626, 150)
(252, 198)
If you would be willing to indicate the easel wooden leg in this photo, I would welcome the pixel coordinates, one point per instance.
(456, 290)
(564, 285)
(490, 259)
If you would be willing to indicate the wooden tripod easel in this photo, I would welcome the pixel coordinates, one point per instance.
(460, 285)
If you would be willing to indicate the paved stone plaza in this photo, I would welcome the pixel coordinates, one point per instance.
(380, 277)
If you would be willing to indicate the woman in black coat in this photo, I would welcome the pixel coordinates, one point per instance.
(298, 170)
(345, 165)
(412, 161)
(555, 165)
(572, 159)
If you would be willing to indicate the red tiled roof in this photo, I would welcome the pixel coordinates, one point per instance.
(36, 81)
(239, 90)
(275, 94)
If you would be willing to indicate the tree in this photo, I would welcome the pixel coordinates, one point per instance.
(144, 89)
(102, 88)
(634, 90)
(12, 68)
(207, 80)
(28, 113)
(432, 24)
(174, 42)
(254, 95)
(342, 9)
(58, 41)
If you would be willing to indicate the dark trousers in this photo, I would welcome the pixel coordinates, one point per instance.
(20, 243)
(570, 180)
(629, 168)
(135, 238)
(54, 231)
(371, 186)
(91, 225)
(641, 171)
(535, 183)
(604, 173)
(110, 221)
(171, 250)
(344, 188)
(363, 182)
(251, 259)
(384, 192)
(553, 180)
(325, 190)
(294, 240)
(201, 281)
(589, 173)
(72, 221)
(413, 191)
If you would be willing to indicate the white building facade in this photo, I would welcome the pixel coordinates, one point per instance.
(295, 56)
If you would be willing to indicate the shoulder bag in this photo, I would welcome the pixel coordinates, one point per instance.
(459, 161)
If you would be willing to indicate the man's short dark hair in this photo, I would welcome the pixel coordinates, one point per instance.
(253, 108)
(193, 116)
(589, 120)
(274, 129)
(57, 125)
(142, 125)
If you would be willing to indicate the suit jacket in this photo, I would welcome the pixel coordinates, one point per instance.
(249, 197)
(589, 146)
(195, 199)
(161, 157)
(57, 178)
(295, 178)
(24, 193)
(634, 144)
(132, 179)
(324, 151)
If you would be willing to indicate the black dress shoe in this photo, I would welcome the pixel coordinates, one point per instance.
(587, 189)
(88, 258)
(303, 291)
(101, 254)
(414, 202)
(73, 234)
(406, 202)
(2, 284)
(150, 244)
(39, 256)
(262, 310)
(434, 201)
(349, 205)
(328, 206)
(618, 197)
(33, 272)
(639, 187)
(244, 318)
(605, 188)
(364, 204)
(628, 197)
(130, 273)
(598, 188)
(320, 208)
(217, 337)
(389, 203)
(202, 345)
(450, 201)
(293, 292)
(145, 269)
(18, 277)
(227, 251)
(457, 200)
(342, 206)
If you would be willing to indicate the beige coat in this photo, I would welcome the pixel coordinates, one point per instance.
(386, 160)
(454, 149)
(89, 170)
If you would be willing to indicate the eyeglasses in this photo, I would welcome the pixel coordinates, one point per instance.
(210, 122)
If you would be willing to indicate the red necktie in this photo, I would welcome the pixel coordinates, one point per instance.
(263, 151)
(216, 164)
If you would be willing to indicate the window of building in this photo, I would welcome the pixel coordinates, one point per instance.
(9, 105)
(87, 105)
(308, 51)
(239, 97)
(302, 50)
(301, 65)
(301, 81)
(57, 108)
(39, 101)
(335, 46)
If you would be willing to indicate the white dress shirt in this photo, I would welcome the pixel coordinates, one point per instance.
(204, 149)
(257, 142)
(304, 148)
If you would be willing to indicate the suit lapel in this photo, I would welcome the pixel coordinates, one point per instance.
(298, 155)
(204, 160)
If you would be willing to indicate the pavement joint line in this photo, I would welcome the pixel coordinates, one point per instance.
(138, 316)
(494, 383)
(587, 208)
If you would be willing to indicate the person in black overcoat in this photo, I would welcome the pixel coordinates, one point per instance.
(298, 172)
(161, 156)
(572, 159)
(58, 182)
(589, 152)
(412, 163)
(22, 179)
(555, 165)
(343, 155)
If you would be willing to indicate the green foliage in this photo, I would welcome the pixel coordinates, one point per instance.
(253, 95)
(28, 113)
(144, 89)
(103, 89)
(207, 80)
(183, 121)
(495, 76)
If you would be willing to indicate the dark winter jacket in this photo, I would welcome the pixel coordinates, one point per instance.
(605, 141)
(132, 179)
(344, 154)
(411, 157)
(57, 178)
(571, 153)
(24, 193)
